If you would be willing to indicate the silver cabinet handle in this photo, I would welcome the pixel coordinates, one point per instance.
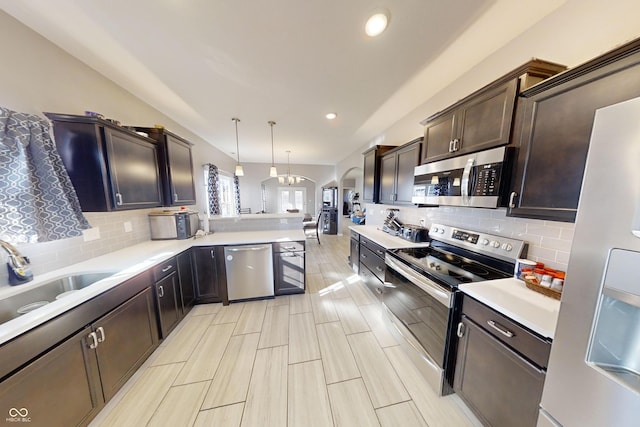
(101, 336)
(175, 197)
(379, 269)
(451, 146)
(118, 199)
(94, 340)
(378, 290)
(290, 248)
(507, 333)
(363, 256)
(379, 252)
(456, 144)
(512, 197)
(167, 268)
(160, 291)
(460, 331)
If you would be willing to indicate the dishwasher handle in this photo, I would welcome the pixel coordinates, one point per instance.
(248, 248)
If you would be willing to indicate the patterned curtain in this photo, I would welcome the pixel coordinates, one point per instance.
(212, 190)
(37, 200)
(236, 188)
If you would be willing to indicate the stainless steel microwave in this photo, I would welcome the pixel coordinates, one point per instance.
(178, 225)
(474, 180)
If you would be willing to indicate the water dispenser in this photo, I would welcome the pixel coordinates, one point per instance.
(614, 347)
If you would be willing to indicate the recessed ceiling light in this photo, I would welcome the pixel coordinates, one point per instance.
(376, 24)
(331, 116)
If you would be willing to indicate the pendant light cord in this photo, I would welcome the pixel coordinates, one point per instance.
(271, 123)
(236, 120)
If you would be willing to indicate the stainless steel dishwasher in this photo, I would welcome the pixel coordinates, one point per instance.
(249, 271)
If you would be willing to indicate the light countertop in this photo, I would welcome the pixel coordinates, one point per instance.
(385, 240)
(512, 298)
(125, 264)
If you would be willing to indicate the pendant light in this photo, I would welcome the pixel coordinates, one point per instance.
(273, 172)
(239, 170)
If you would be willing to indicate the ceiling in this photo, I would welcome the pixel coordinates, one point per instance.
(202, 62)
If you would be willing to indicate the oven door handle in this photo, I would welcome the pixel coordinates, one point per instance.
(442, 296)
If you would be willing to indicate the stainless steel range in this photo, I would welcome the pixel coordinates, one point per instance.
(421, 296)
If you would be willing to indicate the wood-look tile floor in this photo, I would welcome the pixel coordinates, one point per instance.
(323, 358)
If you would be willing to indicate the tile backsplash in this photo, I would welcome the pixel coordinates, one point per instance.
(111, 227)
(549, 241)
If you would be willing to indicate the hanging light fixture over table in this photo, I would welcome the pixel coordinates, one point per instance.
(239, 170)
(273, 172)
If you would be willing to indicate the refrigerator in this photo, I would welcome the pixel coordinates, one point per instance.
(593, 378)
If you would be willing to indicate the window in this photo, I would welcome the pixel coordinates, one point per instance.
(291, 198)
(226, 192)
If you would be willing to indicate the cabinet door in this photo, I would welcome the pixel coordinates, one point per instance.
(289, 273)
(388, 165)
(206, 274)
(166, 296)
(408, 159)
(126, 337)
(554, 133)
(183, 191)
(485, 122)
(133, 168)
(498, 385)
(369, 190)
(187, 294)
(61, 388)
(438, 135)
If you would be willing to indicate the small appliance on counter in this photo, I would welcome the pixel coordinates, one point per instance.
(168, 224)
(414, 233)
(392, 225)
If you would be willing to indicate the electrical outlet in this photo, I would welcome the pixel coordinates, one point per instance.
(91, 234)
(128, 228)
(422, 222)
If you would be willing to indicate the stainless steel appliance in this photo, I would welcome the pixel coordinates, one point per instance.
(330, 197)
(593, 377)
(475, 180)
(421, 296)
(167, 224)
(414, 233)
(249, 271)
(329, 220)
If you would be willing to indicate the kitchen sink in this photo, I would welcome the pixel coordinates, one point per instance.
(23, 303)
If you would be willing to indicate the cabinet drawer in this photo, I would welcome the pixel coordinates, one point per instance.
(354, 235)
(288, 246)
(372, 281)
(373, 262)
(373, 247)
(164, 269)
(504, 329)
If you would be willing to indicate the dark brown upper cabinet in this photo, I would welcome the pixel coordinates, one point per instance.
(111, 168)
(397, 171)
(176, 167)
(553, 129)
(483, 119)
(371, 179)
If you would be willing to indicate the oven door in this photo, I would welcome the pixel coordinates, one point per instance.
(419, 312)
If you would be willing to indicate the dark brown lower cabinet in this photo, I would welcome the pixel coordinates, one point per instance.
(499, 385)
(70, 383)
(61, 388)
(209, 274)
(289, 268)
(185, 274)
(167, 297)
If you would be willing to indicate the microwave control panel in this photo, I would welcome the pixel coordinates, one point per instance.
(487, 179)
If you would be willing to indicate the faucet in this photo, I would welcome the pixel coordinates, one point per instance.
(17, 265)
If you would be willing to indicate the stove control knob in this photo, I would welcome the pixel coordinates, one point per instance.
(434, 229)
(441, 230)
(484, 242)
(495, 244)
(507, 247)
(438, 267)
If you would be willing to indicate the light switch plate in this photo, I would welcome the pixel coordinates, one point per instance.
(128, 228)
